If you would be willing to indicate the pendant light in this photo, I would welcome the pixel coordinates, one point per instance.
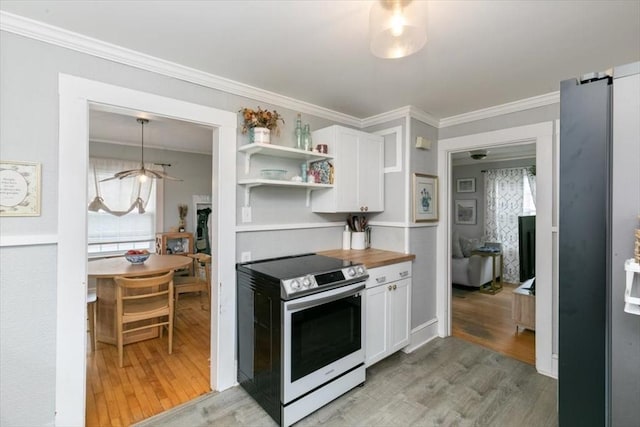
(142, 173)
(397, 28)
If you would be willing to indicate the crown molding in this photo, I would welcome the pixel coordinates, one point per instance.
(400, 113)
(67, 39)
(499, 110)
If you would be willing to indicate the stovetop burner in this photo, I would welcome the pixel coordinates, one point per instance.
(308, 273)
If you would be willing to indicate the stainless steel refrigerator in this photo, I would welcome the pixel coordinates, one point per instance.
(598, 343)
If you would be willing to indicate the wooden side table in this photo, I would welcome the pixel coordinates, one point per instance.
(496, 284)
(523, 308)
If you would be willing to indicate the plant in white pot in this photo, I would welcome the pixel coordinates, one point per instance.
(260, 123)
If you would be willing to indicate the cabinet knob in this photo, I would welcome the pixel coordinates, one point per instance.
(395, 287)
(390, 287)
(361, 208)
(381, 279)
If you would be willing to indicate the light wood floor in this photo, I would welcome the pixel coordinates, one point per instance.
(151, 380)
(485, 320)
(447, 382)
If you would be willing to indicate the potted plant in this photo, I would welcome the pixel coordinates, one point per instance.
(260, 123)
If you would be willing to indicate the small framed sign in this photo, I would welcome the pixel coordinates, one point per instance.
(425, 197)
(466, 185)
(19, 188)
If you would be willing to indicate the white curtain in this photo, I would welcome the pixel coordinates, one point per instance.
(118, 196)
(510, 193)
(109, 226)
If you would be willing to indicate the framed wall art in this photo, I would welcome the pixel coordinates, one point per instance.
(425, 197)
(465, 212)
(19, 188)
(466, 185)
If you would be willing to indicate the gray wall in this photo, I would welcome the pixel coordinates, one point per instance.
(422, 240)
(29, 115)
(193, 169)
(475, 171)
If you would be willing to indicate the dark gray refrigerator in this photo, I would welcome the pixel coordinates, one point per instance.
(599, 194)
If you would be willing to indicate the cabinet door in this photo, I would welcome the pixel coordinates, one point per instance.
(347, 171)
(399, 315)
(370, 173)
(376, 324)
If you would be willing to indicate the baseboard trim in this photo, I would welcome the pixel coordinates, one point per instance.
(421, 335)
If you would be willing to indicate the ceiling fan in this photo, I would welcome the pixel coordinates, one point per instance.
(142, 173)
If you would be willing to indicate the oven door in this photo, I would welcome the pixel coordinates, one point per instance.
(323, 337)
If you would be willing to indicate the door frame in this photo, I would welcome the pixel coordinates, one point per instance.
(76, 95)
(542, 134)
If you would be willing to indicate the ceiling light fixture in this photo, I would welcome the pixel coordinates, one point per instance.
(142, 173)
(397, 28)
(478, 154)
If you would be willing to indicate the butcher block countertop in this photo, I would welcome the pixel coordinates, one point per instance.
(371, 258)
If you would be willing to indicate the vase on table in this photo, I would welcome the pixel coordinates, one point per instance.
(259, 135)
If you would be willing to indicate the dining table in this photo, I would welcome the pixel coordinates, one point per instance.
(104, 271)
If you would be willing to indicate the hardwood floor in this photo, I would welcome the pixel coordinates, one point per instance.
(485, 320)
(446, 382)
(151, 381)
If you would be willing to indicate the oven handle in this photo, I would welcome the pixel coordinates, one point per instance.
(308, 304)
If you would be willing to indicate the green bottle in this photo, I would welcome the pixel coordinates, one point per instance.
(299, 141)
(306, 137)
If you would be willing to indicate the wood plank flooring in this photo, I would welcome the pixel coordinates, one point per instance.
(485, 320)
(447, 382)
(151, 381)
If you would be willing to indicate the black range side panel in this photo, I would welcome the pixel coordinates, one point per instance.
(585, 129)
(259, 340)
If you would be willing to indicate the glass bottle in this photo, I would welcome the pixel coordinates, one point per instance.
(299, 142)
(306, 137)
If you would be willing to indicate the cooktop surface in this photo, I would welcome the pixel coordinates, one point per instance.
(296, 266)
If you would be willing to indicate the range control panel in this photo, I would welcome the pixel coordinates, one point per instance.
(310, 282)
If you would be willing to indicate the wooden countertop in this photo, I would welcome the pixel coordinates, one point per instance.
(371, 258)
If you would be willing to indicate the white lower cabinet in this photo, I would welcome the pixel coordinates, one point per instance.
(388, 311)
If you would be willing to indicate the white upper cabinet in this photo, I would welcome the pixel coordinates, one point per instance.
(358, 169)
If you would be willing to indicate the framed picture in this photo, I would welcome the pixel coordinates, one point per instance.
(465, 211)
(425, 197)
(466, 185)
(19, 188)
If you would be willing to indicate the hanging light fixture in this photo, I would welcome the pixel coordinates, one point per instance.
(397, 28)
(142, 173)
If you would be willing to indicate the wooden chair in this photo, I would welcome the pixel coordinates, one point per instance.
(145, 298)
(92, 299)
(199, 282)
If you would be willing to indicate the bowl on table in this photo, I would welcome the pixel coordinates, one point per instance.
(137, 258)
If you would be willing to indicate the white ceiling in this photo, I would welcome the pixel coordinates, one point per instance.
(479, 54)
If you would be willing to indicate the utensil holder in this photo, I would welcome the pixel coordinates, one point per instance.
(358, 240)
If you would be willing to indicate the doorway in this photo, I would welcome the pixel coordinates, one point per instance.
(76, 96)
(150, 380)
(542, 135)
(491, 192)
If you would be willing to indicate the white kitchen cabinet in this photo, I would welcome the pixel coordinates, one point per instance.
(359, 171)
(388, 311)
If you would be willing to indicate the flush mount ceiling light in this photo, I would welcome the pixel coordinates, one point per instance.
(397, 28)
(142, 173)
(478, 154)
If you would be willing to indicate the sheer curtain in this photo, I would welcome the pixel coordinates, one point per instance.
(122, 212)
(509, 193)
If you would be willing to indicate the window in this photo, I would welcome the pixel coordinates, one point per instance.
(115, 232)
